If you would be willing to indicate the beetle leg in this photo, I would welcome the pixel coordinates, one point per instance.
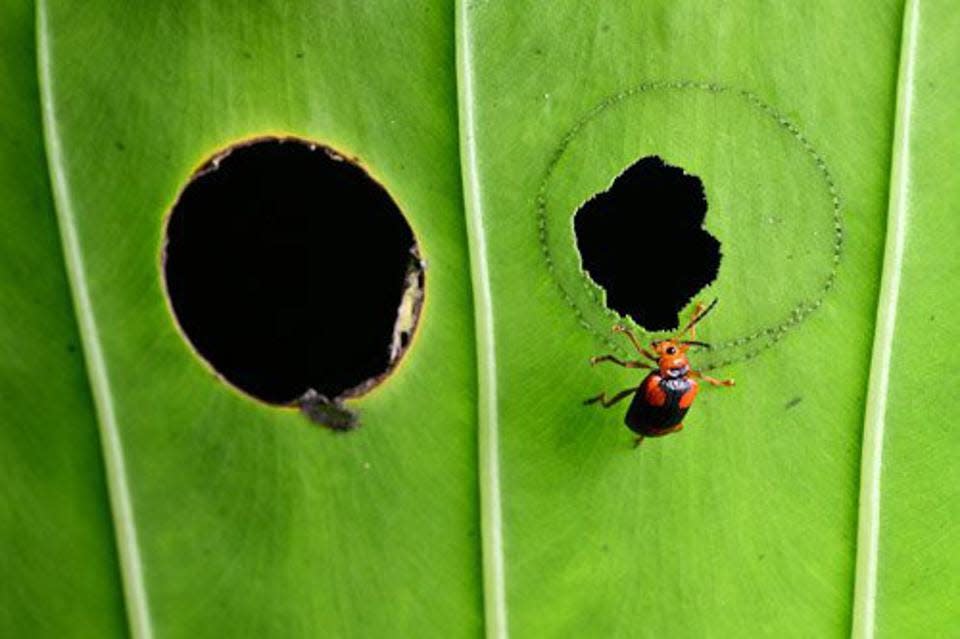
(631, 363)
(638, 441)
(607, 403)
(620, 328)
(712, 380)
(697, 312)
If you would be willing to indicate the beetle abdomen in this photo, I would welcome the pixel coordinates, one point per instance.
(659, 405)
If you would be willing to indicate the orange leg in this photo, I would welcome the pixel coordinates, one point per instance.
(697, 312)
(596, 359)
(607, 403)
(712, 380)
(620, 328)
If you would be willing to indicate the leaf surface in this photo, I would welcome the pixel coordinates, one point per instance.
(239, 518)
(480, 494)
(745, 523)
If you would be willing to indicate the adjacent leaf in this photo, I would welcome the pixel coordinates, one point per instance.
(248, 519)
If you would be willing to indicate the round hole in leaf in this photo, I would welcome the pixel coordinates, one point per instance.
(293, 274)
(642, 241)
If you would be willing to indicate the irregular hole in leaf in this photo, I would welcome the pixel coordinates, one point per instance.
(293, 274)
(642, 241)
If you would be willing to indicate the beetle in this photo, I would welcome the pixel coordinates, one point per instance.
(665, 395)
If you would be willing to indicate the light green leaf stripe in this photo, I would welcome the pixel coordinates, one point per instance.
(868, 534)
(138, 611)
(495, 604)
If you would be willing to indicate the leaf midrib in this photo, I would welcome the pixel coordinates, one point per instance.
(488, 458)
(868, 525)
(121, 507)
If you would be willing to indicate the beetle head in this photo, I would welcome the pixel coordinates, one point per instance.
(671, 357)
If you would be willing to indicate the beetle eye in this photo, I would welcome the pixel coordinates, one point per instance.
(671, 350)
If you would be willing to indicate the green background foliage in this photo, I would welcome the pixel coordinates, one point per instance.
(142, 496)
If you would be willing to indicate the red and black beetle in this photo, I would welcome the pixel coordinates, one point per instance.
(663, 398)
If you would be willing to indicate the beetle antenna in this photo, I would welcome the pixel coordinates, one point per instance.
(693, 342)
(697, 318)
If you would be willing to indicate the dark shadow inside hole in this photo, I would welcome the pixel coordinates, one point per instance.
(286, 266)
(643, 241)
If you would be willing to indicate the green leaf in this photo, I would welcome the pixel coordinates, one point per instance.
(235, 518)
(744, 524)
(143, 495)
